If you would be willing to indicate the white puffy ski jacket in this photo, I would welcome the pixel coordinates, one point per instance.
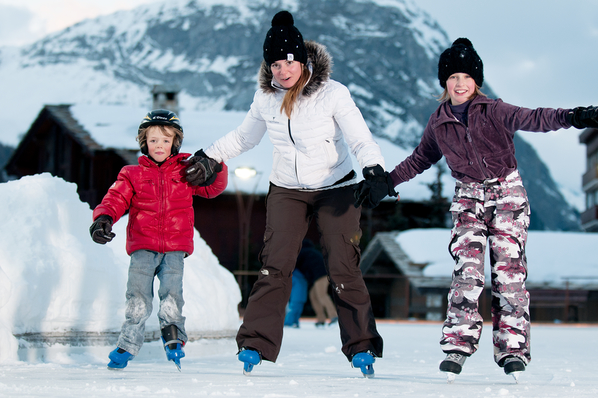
(312, 149)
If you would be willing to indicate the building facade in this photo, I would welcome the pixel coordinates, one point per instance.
(589, 218)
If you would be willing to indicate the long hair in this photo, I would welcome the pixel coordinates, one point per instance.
(288, 102)
(444, 97)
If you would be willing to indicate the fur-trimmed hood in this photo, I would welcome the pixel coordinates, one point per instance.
(321, 64)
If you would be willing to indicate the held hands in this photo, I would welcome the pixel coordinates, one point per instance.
(101, 230)
(582, 117)
(377, 184)
(201, 170)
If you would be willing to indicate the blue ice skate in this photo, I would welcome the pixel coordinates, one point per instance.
(173, 345)
(174, 351)
(364, 361)
(119, 359)
(250, 358)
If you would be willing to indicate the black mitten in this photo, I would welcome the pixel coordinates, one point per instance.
(361, 191)
(377, 186)
(101, 230)
(201, 170)
(582, 117)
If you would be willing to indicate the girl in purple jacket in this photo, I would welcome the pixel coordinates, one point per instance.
(475, 135)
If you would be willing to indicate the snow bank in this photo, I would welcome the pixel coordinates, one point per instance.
(55, 279)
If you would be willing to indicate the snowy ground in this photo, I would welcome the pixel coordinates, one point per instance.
(311, 365)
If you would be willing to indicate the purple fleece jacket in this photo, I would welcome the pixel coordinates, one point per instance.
(482, 150)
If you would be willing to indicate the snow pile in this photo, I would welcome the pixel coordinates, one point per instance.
(55, 279)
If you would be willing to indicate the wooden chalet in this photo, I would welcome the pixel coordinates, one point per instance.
(56, 143)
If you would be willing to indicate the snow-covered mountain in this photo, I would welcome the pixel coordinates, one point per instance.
(385, 51)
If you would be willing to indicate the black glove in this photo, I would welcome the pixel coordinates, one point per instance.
(582, 117)
(101, 230)
(377, 184)
(361, 192)
(201, 170)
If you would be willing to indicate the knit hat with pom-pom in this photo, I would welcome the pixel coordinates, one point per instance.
(460, 58)
(284, 41)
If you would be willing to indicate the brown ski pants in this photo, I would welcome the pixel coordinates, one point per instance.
(289, 213)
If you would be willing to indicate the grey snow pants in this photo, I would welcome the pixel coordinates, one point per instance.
(288, 214)
(145, 266)
(495, 212)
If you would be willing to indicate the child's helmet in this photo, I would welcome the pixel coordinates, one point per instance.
(162, 117)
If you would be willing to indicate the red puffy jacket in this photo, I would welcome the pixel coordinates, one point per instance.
(160, 204)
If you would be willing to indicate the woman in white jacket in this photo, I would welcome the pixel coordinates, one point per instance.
(314, 125)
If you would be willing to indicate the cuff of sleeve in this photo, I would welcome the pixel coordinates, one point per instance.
(395, 177)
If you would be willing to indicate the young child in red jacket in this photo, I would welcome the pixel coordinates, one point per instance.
(159, 232)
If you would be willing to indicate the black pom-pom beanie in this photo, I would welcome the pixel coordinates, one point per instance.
(461, 57)
(284, 41)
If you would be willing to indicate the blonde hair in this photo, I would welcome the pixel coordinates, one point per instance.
(168, 131)
(444, 97)
(288, 102)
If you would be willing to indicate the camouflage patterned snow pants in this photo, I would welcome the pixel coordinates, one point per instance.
(495, 212)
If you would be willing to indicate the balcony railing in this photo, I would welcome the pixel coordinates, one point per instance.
(589, 215)
(590, 178)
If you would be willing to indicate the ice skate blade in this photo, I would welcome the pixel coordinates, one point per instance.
(247, 368)
(367, 371)
(177, 364)
(450, 377)
(116, 366)
(516, 376)
(115, 369)
(365, 362)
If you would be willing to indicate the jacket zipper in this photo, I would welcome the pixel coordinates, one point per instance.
(293, 141)
(161, 243)
(475, 151)
(291, 135)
